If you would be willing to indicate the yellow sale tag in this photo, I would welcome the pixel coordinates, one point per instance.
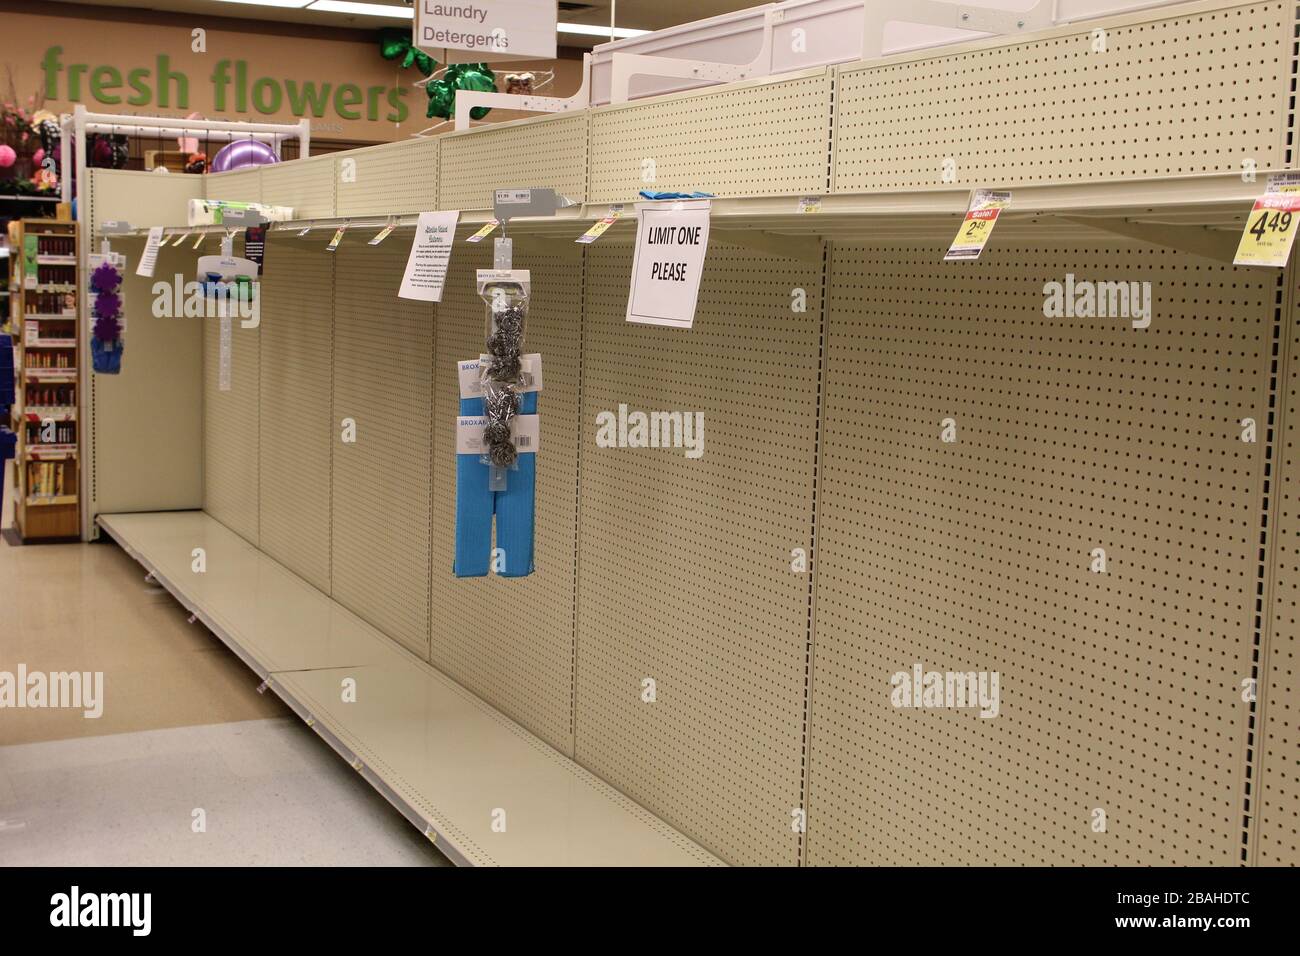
(199, 241)
(1271, 226)
(185, 235)
(597, 229)
(382, 234)
(166, 239)
(338, 237)
(810, 204)
(478, 236)
(981, 217)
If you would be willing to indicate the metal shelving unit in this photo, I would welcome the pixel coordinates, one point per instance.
(774, 686)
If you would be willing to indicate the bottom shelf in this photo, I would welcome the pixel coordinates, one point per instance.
(47, 521)
(439, 754)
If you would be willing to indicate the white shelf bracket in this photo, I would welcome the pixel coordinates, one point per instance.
(1219, 246)
(467, 100)
(624, 66)
(936, 13)
(806, 248)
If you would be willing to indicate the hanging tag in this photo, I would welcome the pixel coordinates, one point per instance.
(597, 229)
(484, 232)
(981, 217)
(150, 255)
(1271, 226)
(383, 234)
(255, 245)
(163, 241)
(338, 237)
(182, 237)
(303, 231)
(228, 244)
(199, 241)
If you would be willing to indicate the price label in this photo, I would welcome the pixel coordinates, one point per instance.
(981, 217)
(185, 235)
(199, 241)
(303, 231)
(484, 232)
(338, 237)
(810, 204)
(1271, 226)
(597, 229)
(382, 234)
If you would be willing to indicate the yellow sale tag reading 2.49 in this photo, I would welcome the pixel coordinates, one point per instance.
(981, 217)
(1270, 227)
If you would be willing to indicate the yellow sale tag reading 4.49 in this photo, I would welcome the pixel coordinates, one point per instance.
(1271, 226)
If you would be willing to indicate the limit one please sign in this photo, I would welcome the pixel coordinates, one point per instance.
(672, 239)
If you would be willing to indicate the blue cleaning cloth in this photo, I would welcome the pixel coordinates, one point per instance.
(669, 194)
(513, 508)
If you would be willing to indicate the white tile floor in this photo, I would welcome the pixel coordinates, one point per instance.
(272, 791)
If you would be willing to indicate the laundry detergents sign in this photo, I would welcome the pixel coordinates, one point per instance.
(496, 28)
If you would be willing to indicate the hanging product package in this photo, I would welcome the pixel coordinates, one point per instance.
(497, 436)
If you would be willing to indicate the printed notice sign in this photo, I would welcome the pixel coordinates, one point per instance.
(495, 28)
(672, 239)
(150, 256)
(426, 266)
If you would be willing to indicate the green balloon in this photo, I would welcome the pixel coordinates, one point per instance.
(478, 79)
(442, 98)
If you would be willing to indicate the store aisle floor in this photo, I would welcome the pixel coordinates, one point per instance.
(268, 792)
(183, 729)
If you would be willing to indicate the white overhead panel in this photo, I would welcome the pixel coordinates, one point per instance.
(497, 29)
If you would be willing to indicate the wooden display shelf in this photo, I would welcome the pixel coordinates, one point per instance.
(46, 500)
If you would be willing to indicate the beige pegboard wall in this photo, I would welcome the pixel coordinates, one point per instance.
(767, 138)
(296, 424)
(685, 565)
(1056, 109)
(547, 152)
(383, 381)
(391, 179)
(1274, 797)
(304, 185)
(510, 640)
(231, 421)
(242, 185)
(1119, 691)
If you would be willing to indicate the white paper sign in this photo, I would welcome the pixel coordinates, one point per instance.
(150, 257)
(672, 239)
(426, 266)
(496, 29)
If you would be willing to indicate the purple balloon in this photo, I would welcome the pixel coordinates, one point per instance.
(241, 153)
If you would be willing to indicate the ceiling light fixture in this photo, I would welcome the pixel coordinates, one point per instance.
(591, 30)
(290, 4)
(363, 9)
